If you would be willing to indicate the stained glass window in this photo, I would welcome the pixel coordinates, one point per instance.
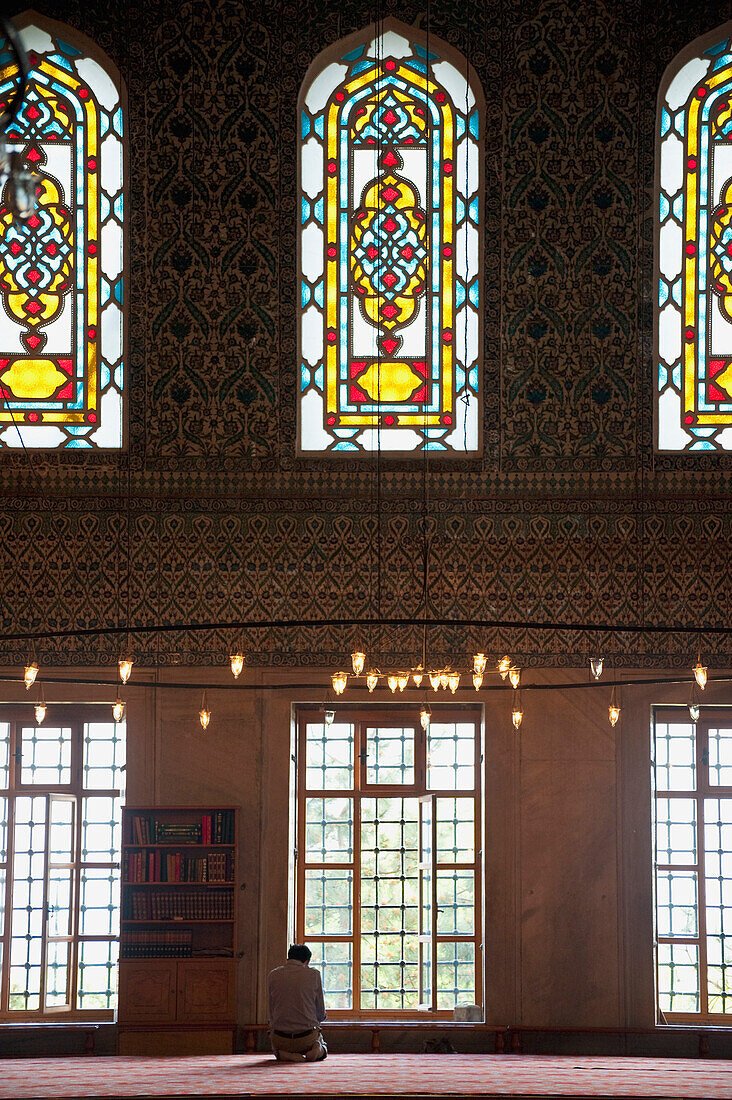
(391, 131)
(694, 249)
(62, 270)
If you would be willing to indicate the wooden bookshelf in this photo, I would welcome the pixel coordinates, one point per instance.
(178, 936)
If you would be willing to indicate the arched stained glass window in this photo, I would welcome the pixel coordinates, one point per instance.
(62, 271)
(694, 248)
(390, 332)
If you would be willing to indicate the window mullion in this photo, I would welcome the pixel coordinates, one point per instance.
(358, 778)
(702, 773)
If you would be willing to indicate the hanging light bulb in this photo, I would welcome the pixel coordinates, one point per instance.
(29, 676)
(613, 711)
(477, 680)
(204, 714)
(700, 673)
(237, 664)
(517, 714)
(392, 681)
(402, 680)
(425, 716)
(444, 680)
(479, 662)
(125, 668)
(418, 675)
(694, 708)
(694, 711)
(339, 681)
(329, 716)
(514, 675)
(453, 681)
(372, 680)
(118, 710)
(596, 664)
(40, 708)
(503, 666)
(358, 660)
(434, 680)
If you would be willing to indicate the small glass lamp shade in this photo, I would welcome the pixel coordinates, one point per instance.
(125, 668)
(372, 680)
(40, 712)
(204, 714)
(477, 680)
(504, 665)
(329, 716)
(434, 680)
(479, 662)
(29, 675)
(596, 664)
(402, 680)
(514, 675)
(417, 676)
(339, 681)
(393, 682)
(700, 674)
(425, 717)
(118, 709)
(237, 664)
(358, 660)
(453, 681)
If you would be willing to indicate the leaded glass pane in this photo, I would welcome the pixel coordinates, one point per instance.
(719, 972)
(27, 923)
(455, 903)
(389, 755)
(676, 903)
(97, 974)
(62, 269)
(455, 830)
(389, 971)
(4, 755)
(46, 758)
(329, 756)
(675, 756)
(720, 757)
(451, 756)
(334, 961)
(678, 977)
(101, 829)
(718, 852)
(390, 282)
(455, 970)
(675, 830)
(99, 902)
(57, 974)
(104, 756)
(329, 830)
(328, 902)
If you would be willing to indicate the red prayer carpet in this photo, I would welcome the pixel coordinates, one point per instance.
(374, 1075)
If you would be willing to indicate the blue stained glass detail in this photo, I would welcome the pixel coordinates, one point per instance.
(702, 447)
(118, 296)
(722, 63)
(712, 51)
(676, 292)
(119, 206)
(105, 290)
(475, 125)
(460, 126)
(354, 54)
(319, 210)
(663, 208)
(104, 375)
(474, 293)
(305, 210)
(60, 60)
(304, 376)
(304, 125)
(360, 66)
(103, 207)
(70, 51)
(678, 207)
(665, 122)
(320, 376)
(662, 292)
(319, 125)
(319, 293)
(79, 445)
(459, 377)
(459, 293)
(103, 123)
(345, 447)
(459, 209)
(662, 375)
(473, 378)
(304, 294)
(119, 375)
(118, 121)
(676, 376)
(434, 446)
(680, 122)
(422, 52)
(418, 65)
(474, 210)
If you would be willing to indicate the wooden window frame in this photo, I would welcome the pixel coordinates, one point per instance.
(709, 717)
(75, 718)
(407, 716)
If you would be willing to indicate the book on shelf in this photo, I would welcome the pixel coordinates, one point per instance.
(216, 827)
(161, 905)
(154, 866)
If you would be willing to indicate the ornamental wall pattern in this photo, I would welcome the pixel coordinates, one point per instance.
(211, 494)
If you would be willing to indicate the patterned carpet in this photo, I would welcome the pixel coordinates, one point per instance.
(366, 1075)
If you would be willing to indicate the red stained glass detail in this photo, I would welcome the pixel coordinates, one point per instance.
(421, 368)
(420, 395)
(690, 249)
(407, 252)
(389, 310)
(390, 118)
(716, 366)
(691, 164)
(33, 307)
(340, 97)
(32, 112)
(331, 337)
(83, 93)
(332, 252)
(447, 336)
(447, 251)
(372, 252)
(688, 419)
(32, 341)
(391, 66)
(389, 420)
(33, 417)
(15, 248)
(447, 419)
(448, 167)
(92, 164)
(33, 221)
(389, 194)
(701, 92)
(390, 225)
(409, 141)
(34, 155)
(389, 344)
(92, 248)
(357, 365)
(92, 418)
(65, 365)
(716, 394)
(332, 167)
(357, 396)
(390, 279)
(66, 392)
(689, 334)
(440, 97)
(34, 275)
(389, 159)
(92, 333)
(64, 108)
(331, 419)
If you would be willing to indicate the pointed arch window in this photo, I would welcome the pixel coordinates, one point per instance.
(63, 270)
(693, 330)
(390, 168)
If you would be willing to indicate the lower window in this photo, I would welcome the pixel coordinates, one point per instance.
(693, 860)
(61, 789)
(388, 859)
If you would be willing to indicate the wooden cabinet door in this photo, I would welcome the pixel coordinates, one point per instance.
(205, 991)
(147, 990)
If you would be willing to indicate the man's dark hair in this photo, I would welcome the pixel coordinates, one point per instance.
(300, 952)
